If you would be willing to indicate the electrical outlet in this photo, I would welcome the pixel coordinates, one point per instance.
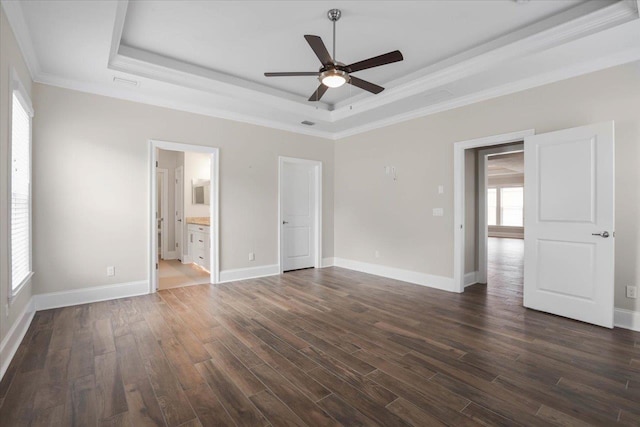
(632, 292)
(377, 254)
(111, 271)
(252, 256)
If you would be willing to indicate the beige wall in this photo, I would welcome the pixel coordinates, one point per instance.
(397, 219)
(10, 58)
(91, 199)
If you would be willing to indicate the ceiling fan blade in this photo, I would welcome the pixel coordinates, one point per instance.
(293, 74)
(319, 49)
(318, 93)
(376, 61)
(363, 84)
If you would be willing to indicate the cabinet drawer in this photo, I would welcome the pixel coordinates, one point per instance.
(200, 257)
(198, 228)
(200, 240)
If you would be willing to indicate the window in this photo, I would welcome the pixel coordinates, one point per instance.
(505, 206)
(20, 219)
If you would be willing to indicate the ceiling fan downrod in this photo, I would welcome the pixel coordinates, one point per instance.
(334, 15)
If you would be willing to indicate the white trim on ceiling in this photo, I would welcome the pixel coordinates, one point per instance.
(580, 21)
(577, 22)
(20, 29)
(497, 91)
(134, 96)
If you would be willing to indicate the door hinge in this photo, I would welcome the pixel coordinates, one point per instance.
(176, 244)
(156, 265)
(156, 163)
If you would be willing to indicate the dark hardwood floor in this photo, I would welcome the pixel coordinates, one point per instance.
(321, 348)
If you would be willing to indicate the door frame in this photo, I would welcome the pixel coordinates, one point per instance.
(214, 217)
(164, 205)
(318, 205)
(177, 202)
(459, 197)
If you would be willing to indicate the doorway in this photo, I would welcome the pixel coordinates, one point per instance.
(299, 213)
(569, 220)
(184, 243)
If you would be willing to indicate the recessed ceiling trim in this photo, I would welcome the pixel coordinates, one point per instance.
(150, 65)
(543, 35)
(494, 92)
(576, 22)
(130, 94)
(21, 31)
(118, 28)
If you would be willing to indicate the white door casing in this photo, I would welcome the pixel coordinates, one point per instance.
(298, 215)
(179, 205)
(569, 205)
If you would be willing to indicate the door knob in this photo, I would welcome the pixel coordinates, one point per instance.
(285, 222)
(604, 234)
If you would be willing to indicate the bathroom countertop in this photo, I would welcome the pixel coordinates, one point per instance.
(199, 220)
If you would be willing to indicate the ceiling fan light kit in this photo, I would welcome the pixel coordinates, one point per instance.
(334, 74)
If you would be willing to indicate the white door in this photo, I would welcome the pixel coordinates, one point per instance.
(179, 204)
(298, 215)
(569, 223)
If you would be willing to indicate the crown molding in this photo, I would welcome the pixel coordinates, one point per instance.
(583, 20)
(135, 96)
(153, 66)
(21, 32)
(495, 92)
(577, 22)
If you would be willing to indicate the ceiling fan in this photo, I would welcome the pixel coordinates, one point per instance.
(333, 73)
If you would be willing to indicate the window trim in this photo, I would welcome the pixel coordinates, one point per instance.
(498, 188)
(18, 89)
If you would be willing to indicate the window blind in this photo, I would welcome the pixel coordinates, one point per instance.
(20, 193)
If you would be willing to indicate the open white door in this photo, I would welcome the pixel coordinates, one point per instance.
(179, 204)
(569, 223)
(298, 215)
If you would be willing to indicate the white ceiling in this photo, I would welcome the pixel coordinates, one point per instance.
(209, 57)
(506, 164)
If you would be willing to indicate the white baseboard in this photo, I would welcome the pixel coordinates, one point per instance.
(186, 259)
(424, 279)
(328, 262)
(471, 278)
(87, 295)
(249, 273)
(12, 340)
(626, 319)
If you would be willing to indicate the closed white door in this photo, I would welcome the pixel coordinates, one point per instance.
(179, 204)
(298, 215)
(569, 223)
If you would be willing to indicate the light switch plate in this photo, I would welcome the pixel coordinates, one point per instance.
(111, 271)
(252, 256)
(438, 212)
(440, 189)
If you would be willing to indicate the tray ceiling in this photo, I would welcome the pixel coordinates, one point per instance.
(209, 57)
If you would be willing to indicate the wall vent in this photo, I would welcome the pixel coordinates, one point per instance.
(125, 82)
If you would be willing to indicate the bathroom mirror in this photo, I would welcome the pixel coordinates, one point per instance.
(200, 191)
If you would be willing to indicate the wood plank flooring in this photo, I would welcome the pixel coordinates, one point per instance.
(320, 348)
